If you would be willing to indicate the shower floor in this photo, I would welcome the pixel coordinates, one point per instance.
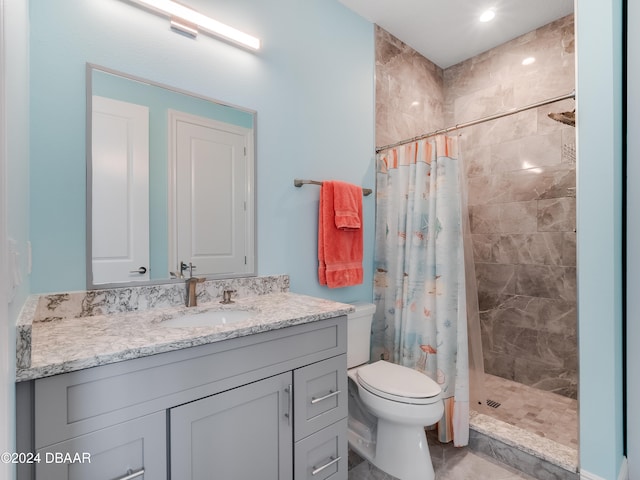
(543, 413)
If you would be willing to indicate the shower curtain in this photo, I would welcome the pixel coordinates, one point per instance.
(420, 291)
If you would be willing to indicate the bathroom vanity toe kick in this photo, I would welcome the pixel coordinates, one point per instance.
(104, 405)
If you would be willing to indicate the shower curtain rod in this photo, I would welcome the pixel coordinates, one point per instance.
(479, 120)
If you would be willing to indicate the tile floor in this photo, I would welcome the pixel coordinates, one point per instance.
(449, 463)
(546, 414)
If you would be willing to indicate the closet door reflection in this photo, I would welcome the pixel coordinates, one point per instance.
(211, 222)
(120, 188)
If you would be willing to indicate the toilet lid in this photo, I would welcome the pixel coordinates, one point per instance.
(390, 380)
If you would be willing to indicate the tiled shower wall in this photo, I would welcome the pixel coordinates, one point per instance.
(409, 91)
(521, 173)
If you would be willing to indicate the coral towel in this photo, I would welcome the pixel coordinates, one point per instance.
(340, 235)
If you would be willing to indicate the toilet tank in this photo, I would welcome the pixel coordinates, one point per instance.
(359, 334)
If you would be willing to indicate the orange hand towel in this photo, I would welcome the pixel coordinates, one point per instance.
(339, 250)
(347, 204)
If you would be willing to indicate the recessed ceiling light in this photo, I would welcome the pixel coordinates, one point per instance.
(528, 60)
(488, 15)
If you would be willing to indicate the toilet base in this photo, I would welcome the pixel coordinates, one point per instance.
(400, 450)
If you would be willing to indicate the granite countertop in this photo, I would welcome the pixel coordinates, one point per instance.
(60, 345)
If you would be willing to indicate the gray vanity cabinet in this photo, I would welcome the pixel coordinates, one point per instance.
(271, 405)
(133, 449)
(320, 405)
(244, 433)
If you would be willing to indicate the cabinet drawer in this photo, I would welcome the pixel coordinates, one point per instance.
(109, 454)
(320, 395)
(323, 455)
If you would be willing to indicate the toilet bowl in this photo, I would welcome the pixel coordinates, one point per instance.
(389, 406)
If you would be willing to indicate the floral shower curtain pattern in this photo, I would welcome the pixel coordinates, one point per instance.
(421, 315)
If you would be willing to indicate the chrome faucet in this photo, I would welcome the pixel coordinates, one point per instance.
(191, 299)
(226, 297)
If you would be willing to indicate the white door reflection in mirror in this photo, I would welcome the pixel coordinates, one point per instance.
(209, 224)
(120, 188)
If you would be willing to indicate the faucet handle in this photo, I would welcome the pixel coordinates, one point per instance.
(226, 296)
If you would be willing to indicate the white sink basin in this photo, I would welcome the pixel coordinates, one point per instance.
(207, 319)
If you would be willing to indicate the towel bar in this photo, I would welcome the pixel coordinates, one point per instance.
(298, 183)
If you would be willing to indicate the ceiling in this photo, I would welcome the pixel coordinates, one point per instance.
(448, 31)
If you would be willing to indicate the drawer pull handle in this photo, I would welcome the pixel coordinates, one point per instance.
(289, 391)
(331, 461)
(331, 393)
(131, 474)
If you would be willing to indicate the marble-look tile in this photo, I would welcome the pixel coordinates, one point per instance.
(557, 215)
(516, 217)
(409, 91)
(551, 418)
(501, 130)
(499, 364)
(476, 158)
(533, 151)
(569, 145)
(496, 279)
(570, 284)
(569, 249)
(522, 185)
(552, 46)
(533, 341)
(547, 281)
(449, 463)
(488, 300)
(552, 315)
(482, 103)
(528, 248)
(467, 464)
(524, 461)
(561, 380)
(366, 471)
(537, 347)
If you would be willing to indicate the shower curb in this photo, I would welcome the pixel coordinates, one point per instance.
(537, 456)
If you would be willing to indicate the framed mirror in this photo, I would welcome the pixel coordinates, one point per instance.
(170, 183)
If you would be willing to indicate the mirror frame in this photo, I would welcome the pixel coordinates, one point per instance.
(252, 180)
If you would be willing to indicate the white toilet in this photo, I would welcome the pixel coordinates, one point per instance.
(389, 406)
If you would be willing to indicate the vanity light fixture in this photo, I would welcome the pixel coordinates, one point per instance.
(188, 21)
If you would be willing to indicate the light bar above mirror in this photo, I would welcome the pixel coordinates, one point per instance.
(191, 22)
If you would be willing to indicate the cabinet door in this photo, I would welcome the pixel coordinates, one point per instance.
(320, 395)
(323, 455)
(240, 434)
(134, 447)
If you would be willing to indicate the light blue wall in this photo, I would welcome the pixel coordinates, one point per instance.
(312, 85)
(599, 222)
